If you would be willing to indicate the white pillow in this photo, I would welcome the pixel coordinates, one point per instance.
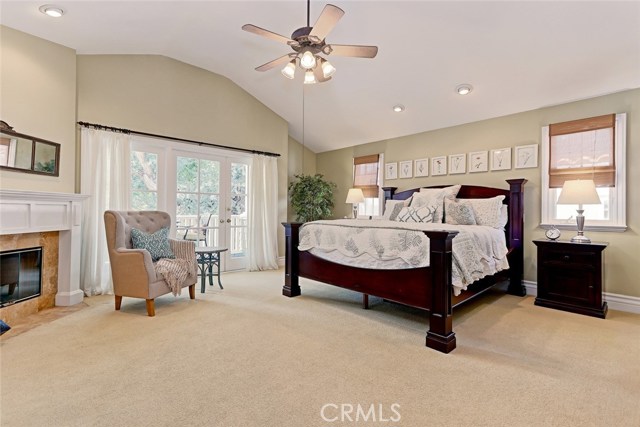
(458, 212)
(487, 211)
(422, 214)
(504, 216)
(390, 206)
(436, 195)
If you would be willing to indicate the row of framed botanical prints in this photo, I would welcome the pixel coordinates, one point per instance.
(526, 156)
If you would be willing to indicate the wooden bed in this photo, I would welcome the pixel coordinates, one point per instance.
(427, 288)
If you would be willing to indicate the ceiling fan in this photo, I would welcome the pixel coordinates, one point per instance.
(309, 44)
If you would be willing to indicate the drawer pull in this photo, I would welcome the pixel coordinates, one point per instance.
(566, 258)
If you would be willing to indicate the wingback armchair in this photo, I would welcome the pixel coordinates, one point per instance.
(132, 270)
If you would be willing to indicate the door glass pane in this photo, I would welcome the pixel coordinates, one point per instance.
(187, 174)
(209, 176)
(238, 210)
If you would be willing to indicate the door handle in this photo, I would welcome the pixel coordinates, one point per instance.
(222, 221)
(229, 220)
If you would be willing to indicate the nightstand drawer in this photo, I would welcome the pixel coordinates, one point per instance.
(569, 259)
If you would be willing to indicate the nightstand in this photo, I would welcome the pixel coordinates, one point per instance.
(571, 276)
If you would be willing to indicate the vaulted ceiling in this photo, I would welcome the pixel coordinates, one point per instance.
(517, 55)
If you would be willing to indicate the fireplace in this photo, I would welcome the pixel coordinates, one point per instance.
(20, 275)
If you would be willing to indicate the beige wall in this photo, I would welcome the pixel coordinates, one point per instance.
(622, 267)
(38, 98)
(163, 96)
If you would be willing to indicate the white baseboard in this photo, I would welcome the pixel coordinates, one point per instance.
(614, 301)
(281, 261)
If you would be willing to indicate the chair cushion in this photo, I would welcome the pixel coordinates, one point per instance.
(157, 244)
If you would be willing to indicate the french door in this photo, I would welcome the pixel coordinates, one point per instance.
(211, 203)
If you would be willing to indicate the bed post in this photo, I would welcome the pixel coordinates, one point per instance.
(389, 192)
(291, 286)
(516, 235)
(440, 335)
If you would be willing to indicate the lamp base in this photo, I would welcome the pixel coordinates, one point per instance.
(355, 211)
(580, 239)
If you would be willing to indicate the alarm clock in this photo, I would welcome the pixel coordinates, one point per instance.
(552, 233)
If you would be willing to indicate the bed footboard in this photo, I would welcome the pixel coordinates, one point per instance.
(426, 288)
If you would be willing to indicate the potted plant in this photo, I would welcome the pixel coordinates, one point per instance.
(311, 197)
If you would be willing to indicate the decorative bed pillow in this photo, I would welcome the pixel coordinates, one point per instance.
(412, 214)
(437, 195)
(504, 216)
(458, 212)
(391, 209)
(157, 244)
(487, 211)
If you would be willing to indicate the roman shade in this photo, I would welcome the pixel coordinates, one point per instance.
(583, 149)
(365, 174)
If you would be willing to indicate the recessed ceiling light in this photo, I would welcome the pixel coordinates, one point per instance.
(398, 108)
(51, 10)
(464, 89)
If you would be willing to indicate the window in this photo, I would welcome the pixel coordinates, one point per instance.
(592, 148)
(144, 180)
(366, 176)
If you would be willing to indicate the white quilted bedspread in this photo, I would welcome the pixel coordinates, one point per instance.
(478, 250)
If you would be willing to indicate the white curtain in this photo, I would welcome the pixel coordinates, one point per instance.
(263, 213)
(105, 177)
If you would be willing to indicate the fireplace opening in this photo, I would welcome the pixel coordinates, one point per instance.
(20, 275)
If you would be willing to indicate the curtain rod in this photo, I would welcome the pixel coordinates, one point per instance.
(187, 141)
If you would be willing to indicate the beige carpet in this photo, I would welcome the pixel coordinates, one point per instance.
(247, 356)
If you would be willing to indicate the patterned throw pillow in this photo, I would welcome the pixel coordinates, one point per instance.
(437, 194)
(487, 211)
(391, 209)
(157, 244)
(411, 214)
(458, 212)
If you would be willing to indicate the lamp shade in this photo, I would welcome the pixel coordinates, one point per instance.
(579, 192)
(355, 195)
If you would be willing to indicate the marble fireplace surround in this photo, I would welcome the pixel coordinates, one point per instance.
(34, 212)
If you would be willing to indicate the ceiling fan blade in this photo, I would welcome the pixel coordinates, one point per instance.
(266, 33)
(326, 21)
(354, 50)
(272, 64)
(317, 72)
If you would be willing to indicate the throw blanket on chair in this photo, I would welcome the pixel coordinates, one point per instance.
(176, 271)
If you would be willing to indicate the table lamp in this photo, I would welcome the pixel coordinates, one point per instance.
(579, 192)
(354, 197)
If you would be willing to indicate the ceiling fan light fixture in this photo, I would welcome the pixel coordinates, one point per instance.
(289, 70)
(464, 89)
(309, 77)
(307, 60)
(328, 69)
(51, 10)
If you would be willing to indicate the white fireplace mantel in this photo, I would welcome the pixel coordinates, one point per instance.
(34, 212)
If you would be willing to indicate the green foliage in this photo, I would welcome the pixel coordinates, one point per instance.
(311, 197)
(49, 166)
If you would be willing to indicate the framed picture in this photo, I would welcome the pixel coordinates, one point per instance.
(527, 156)
(438, 165)
(391, 170)
(501, 159)
(406, 169)
(478, 161)
(457, 163)
(421, 167)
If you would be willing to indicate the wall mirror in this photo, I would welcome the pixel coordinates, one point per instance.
(24, 153)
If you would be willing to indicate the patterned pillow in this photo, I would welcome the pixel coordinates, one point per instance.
(458, 212)
(157, 244)
(412, 214)
(390, 207)
(487, 211)
(437, 194)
